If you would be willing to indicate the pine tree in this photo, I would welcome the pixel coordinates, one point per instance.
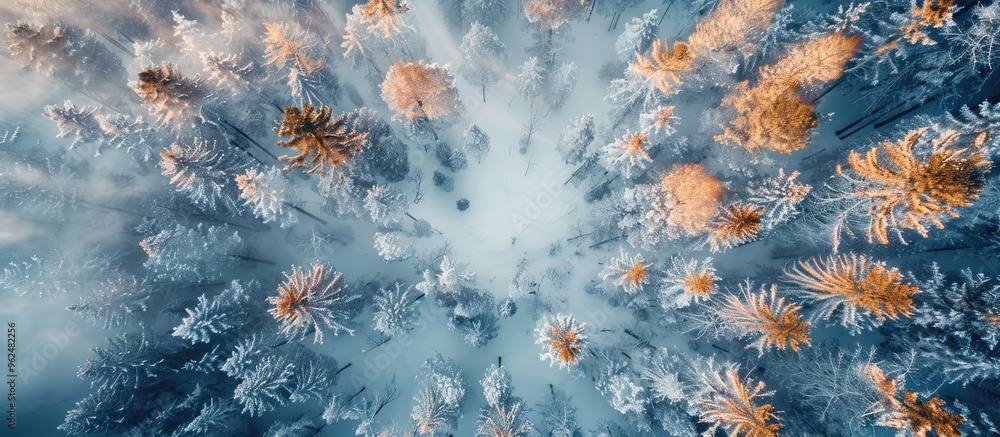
(553, 14)
(737, 224)
(484, 57)
(288, 46)
(65, 52)
(765, 317)
(561, 85)
(778, 196)
(420, 90)
(394, 245)
(659, 121)
(774, 113)
(628, 155)
(191, 254)
(230, 71)
(265, 387)
(629, 272)
(932, 13)
(691, 198)
(906, 412)
(314, 133)
(386, 206)
(733, 28)
(269, 194)
(686, 281)
(80, 123)
(562, 338)
(639, 34)
(171, 97)
(559, 416)
(504, 414)
(664, 66)
(382, 14)
(395, 310)
(915, 186)
(201, 172)
(575, 138)
(735, 405)
(221, 313)
(476, 142)
(530, 80)
(855, 286)
(314, 301)
(443, 390)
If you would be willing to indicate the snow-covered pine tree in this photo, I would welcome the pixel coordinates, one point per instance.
(476, 142)
(560, 85)
(531, 79)
(575, 138)
(484, 57)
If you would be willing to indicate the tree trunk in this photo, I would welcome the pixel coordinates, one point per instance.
(307, 214)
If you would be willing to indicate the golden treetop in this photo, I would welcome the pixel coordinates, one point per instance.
(908, 192)
(774, 114)
(286, 44)
(905, 411)
(699, 283)
(309, 300)
(779, 324)
(381, 14)
(691, 198)
(738, 224)
(664, 118)
(416, 89)
(553, 14)
(314, 132)
(734, 26)
(167, 93)
(635, 275)
(664, 66)
(735, 406)
(933, 13)
(814, 62)
(771, 115)
(563, 337)
(859, 282)
(175, 163)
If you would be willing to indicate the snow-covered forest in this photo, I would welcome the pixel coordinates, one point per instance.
(504, 218)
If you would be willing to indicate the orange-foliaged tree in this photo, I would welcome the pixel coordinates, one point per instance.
(562, 338)
(905, 191)
(856, 286)
(381, 15)
(288, 45)
(776, 113)
(733, 27)
(169, 95)
(738, 224)
(691, 198)
(768, 318)
(553, 14)
(932, 13)
(735, 404)
(664, 66)
(314, 300)
(417, 89)
(314, 132)
(906, 412)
